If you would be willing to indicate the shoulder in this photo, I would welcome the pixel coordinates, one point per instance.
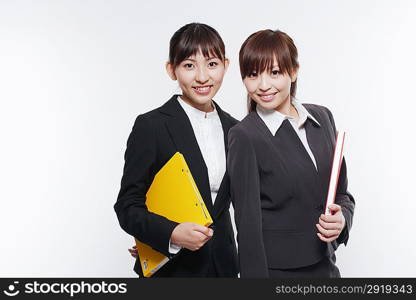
(320, 112)
(315, 108)
(232, 120)
(225, 114)
(245, 127)
(145, 120)
(153, 118)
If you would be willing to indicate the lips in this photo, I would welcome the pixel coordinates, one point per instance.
(267, 97)
(202, 90)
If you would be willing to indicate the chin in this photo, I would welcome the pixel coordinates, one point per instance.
(202, 99)
(268, 105)
(198, 102)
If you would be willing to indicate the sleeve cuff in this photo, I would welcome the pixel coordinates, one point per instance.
(173, 248)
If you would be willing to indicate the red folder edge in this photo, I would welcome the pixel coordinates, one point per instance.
(331, 198)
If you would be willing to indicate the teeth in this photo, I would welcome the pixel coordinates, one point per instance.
(202, 89)
(267, 97)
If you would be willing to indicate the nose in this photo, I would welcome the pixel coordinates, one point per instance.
(202, 75)
(264, 83)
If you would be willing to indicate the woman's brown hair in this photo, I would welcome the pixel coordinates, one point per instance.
(261, 50)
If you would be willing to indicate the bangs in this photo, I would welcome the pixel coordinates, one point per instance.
(195, 39)
(266, 48)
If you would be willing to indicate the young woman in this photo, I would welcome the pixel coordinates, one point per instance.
(193, 124)
(279, 161)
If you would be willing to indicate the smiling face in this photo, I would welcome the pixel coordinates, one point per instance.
(199, 78)
(268, 67)
(271, 88)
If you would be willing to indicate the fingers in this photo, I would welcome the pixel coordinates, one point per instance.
(198, 240)
(327, 233)
(201, 237)
(330, 226)
(133, 252)
(337, 218)
(191, 236)
(205, 230)
(325, 239)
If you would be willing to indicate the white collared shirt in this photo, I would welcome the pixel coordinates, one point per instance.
(274, 119)
(210, 137)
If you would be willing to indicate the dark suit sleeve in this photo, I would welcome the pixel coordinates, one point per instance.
(132, 213)
(343, 197)
(245, 195)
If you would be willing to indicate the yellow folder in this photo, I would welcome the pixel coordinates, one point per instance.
(174, 195)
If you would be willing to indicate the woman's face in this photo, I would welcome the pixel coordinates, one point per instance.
(199, 79)
(270, 89)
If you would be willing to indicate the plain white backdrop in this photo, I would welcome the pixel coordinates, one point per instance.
(75, 74)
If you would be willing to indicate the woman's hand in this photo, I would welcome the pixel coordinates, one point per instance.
(331, 226)
(191, 236)
(133, 251)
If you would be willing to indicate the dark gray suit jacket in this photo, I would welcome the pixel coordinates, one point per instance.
(278, 194)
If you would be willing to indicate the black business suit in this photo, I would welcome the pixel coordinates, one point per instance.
(155, 137)
(278, 194)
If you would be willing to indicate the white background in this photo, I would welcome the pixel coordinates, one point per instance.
(75, 74)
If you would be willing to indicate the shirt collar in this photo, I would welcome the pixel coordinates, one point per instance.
(195, 113)
(303, 113)
(274, 119)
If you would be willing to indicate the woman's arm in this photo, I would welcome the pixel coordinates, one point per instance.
(245, 194)
(140, 158)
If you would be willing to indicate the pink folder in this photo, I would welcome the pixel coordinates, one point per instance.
(336, 168)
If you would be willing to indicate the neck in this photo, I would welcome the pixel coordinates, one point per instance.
(205, 107)
(287, 108)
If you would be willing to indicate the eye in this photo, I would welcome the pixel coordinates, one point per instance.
(188, 66)
(252, 75)
(276, 72)
(212, 64)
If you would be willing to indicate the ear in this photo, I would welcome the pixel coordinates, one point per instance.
(294, 75)
(226, 64)
(170, 70)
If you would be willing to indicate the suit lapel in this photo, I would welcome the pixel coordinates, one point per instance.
(321, 147)
(268, 136)
(183, 136)
(314, 137)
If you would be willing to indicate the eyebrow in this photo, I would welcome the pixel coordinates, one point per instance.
(209, 58)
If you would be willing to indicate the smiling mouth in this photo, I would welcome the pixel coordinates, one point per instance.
(267, 97)
(202, 90)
